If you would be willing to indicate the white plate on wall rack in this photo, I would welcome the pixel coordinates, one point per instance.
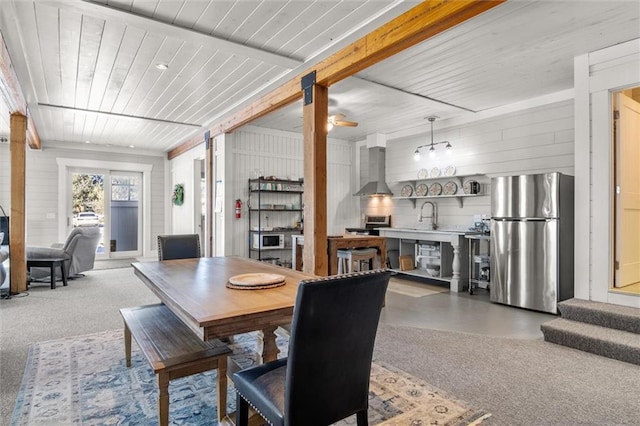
(450, 188)
(435, 189)
(450, 171)
(435, 172)
(423, 174)
(421, 190)
(406, 191)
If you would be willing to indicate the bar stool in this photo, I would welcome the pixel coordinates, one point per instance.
(348, 256)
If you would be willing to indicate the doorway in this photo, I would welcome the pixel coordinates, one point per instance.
(126, 188)
(109, 200)
(626, 130)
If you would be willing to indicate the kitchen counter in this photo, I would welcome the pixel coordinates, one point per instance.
(423, 230)
(407, 240)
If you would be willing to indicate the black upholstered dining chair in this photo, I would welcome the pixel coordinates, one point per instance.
(325, 377)
(183, 246)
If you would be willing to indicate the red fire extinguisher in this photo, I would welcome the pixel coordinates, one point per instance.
(238, 208)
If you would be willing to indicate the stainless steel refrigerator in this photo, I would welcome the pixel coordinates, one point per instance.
(532, 240)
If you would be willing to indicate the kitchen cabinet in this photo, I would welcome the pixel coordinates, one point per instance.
(449, 251)
(275, 213)
(459, 194)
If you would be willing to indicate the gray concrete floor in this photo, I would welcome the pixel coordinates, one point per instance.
(462, 312)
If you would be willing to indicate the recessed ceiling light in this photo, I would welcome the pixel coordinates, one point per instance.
(87, 141)
(161, 66)
(131, 146)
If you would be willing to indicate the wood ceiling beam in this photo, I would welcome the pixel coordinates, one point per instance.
(12, 95)
(422, 22)
(188, 144)
(105, 12)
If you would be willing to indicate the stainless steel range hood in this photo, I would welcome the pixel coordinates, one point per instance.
(376, 184)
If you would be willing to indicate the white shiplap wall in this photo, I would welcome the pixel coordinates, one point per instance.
(5, 177)
(183, 218)
(43, 198)
(535, 140)
(280, 154)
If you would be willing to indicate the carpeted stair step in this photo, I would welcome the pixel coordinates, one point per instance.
(602, 314)
(603, 341)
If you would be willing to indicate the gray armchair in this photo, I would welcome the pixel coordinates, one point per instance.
(4, 255)
(79, 249)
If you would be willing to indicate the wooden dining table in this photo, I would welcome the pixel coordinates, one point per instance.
(195, 290)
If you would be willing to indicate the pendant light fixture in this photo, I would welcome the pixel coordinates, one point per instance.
(432, 148)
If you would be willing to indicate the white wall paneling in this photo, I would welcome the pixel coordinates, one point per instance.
(535, 140)
(5, 177)
(44, 194)
(183, 171)
(280, 154)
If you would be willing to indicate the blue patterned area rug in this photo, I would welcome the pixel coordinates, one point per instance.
(83, 380)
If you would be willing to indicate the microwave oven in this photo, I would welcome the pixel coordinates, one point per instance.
(266, 241)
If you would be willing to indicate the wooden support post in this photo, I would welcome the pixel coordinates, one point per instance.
(17, 249)
(315, 116)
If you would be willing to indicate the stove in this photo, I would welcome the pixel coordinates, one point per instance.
(370, 223)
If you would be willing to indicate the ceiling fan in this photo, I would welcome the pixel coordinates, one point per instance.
(338, 120)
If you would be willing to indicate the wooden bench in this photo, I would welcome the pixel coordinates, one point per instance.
(174, 351)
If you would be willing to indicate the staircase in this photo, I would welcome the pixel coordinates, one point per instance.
(600, 328)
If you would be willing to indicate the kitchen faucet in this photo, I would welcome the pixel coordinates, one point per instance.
(434, 214)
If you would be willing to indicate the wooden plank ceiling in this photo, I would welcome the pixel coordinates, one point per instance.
(12, 100)
(88, 68)
(495, 59)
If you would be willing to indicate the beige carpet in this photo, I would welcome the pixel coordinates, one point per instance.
(125, 262)
(100, 265)
(414, 289)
